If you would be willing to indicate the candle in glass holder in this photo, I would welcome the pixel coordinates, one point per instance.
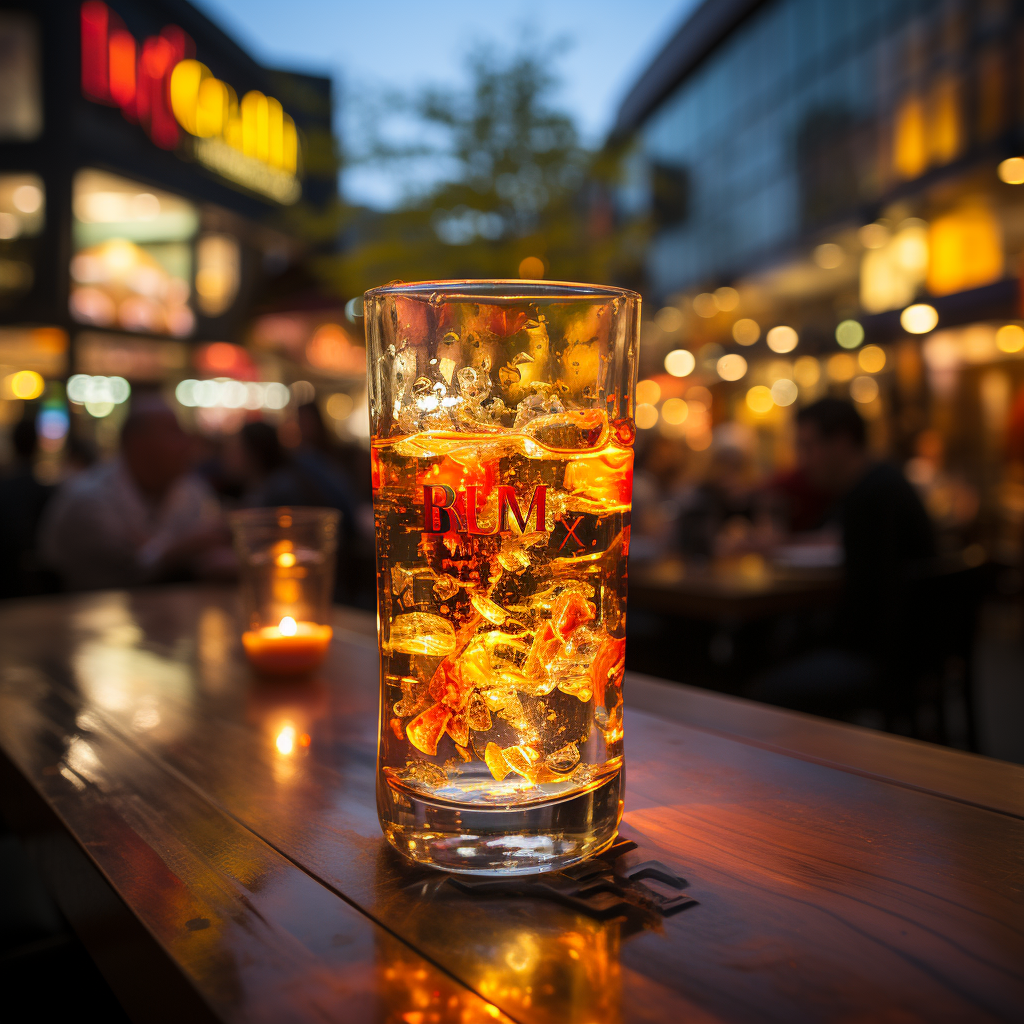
(287, 575)
(289, 647)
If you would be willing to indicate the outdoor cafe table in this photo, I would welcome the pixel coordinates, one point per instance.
(729, 592)
(214, 842)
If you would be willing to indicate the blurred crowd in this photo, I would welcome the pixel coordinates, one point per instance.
(156, 513)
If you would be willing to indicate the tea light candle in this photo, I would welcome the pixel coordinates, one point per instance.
(288, 648)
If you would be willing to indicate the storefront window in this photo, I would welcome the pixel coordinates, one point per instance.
(132, 266)
(21, 106)
(218, 272)
(22, 215)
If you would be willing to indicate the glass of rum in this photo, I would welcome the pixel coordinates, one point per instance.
(502, 445)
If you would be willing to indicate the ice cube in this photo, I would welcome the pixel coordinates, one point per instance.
(536, 405)
(423, 772)
(478, 716)
(564, 759)
(572, 430)
(578, 686)
(513, 555)
(569, 611)
(608, 666)
(474, 383)
(458, 728)
(525, 761)
(488, 609)
(422, 633)
(495, 761)
(427, 728)
(446, 587)
(451, 686)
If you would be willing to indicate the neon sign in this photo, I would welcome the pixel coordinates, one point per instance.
(162, 87)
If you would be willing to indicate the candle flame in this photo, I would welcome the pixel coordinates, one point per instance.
(286, 739)
(286, 559)
(288, 626)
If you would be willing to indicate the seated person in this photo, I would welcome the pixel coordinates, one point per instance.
(886, 537)
(139, 518)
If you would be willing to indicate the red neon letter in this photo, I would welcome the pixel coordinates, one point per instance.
(437, 516)
(471, 524)
(507, 501)
(95, 22)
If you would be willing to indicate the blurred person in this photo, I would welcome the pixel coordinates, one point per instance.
(23, 500)
(308, 475)
(659, 489)
(141, 517)
(719, 515)
(886, 538)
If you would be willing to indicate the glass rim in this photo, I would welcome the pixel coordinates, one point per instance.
(502, 288)
(301, 515)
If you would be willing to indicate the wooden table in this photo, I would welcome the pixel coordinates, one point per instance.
(215, 844)
(729, 593)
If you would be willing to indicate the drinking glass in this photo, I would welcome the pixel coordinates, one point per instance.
(287, 577)
(502, 458)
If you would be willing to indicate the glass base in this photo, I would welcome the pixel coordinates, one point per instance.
(524, 840)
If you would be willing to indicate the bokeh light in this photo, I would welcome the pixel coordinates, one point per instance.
(680, 362)
(648, 392)
(864, 389)
(829, 256)
(704, 305)
(842, 367)
(675, 411)
(646, 416)
(871, 359)
(669, 319)
(731, 367)
(873, 236)
(807, 371)
(1012, 171)
(726, 298)
(919, 318)
(782, 339)
(759, 399)
(1010, 338)
(25, 384)
(746, 331)
(849, 334)
(784, 392)
(531, 268)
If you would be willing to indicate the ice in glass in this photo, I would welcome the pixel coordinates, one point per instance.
(501, 415)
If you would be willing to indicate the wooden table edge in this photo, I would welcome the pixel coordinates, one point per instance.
(941, 771)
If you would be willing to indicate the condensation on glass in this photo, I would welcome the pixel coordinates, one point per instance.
(502, 423)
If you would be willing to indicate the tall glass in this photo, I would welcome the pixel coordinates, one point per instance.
(502, 423)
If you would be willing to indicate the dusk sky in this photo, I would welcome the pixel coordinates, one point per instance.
(402, 45)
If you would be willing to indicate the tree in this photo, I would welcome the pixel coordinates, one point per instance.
(520, 184)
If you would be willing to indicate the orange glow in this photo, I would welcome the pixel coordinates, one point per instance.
(966, 250)
(946, 125)
(122, 67)
(910, 148)
(289, 648)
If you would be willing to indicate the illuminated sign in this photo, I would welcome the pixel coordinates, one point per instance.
(162, 87)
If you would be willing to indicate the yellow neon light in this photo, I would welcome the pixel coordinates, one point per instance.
(257, 126)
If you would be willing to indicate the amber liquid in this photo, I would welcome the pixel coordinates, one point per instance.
(501, 598)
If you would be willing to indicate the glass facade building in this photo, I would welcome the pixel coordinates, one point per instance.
(806, 171)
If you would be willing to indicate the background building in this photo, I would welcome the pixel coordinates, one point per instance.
(833, 191)
(155, 183)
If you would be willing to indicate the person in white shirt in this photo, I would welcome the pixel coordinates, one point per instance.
(140, 518)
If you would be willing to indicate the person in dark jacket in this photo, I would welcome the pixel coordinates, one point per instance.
(887, 541)
(22, 501)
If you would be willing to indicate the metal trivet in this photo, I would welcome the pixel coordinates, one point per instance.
(624, 877)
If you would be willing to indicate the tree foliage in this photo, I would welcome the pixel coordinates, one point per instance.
(518, 184)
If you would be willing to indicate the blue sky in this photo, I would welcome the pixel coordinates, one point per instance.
(400, 44)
